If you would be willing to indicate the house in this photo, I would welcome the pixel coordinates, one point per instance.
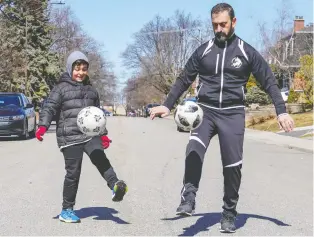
(289, 49)
(120, 109)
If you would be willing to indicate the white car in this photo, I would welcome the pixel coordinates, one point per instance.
(285, 94)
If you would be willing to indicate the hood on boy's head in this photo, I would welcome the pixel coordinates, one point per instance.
(76, 55)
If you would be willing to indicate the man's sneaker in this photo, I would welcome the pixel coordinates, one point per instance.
(186, 208)
(227, 222)
(119, 190)
(69, 216)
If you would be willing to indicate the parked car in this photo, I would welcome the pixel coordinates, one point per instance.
(17, 115)
(131, 113)
(148, 107)
(107, 113)
(285, 93)
(190, 99)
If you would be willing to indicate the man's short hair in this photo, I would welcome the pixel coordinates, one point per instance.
(221, 7)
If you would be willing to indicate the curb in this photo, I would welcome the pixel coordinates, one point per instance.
(279, 140)
(271, 138)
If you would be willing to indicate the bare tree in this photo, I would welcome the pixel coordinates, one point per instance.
(138, 93)
(272, 39)
(279, 28)
(162, 47)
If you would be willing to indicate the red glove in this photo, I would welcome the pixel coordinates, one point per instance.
(40, 132)
(105, 141)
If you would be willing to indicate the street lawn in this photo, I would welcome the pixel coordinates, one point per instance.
(307, 135)
(269, 123)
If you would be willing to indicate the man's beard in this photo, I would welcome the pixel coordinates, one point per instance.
(222, 37)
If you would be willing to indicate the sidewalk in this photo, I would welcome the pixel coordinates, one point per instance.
(280, 140)
(276, 139)
(298, 132)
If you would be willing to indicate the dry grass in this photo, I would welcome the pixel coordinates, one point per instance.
(307, 135)
(269, 122)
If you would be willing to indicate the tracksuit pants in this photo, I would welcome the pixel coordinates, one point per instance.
(73, 156)
(229, 125)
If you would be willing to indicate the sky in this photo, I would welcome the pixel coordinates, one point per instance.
(113, 22)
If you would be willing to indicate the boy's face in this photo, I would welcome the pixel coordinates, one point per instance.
(80, 72)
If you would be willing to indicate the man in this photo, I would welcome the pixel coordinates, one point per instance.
(224, 65)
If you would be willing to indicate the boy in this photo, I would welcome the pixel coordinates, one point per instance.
(66, 100)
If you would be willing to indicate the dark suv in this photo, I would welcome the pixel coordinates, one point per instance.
(17, 115)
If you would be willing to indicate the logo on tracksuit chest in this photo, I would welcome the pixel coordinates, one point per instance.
(236, 62)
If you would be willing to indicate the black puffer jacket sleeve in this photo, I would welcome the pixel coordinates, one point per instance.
(50, 108)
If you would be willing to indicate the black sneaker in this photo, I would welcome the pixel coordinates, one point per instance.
(227, 222)
(119, 190)
(186, 208)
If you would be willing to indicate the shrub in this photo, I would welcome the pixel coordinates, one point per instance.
(256, 95)
(293, 96)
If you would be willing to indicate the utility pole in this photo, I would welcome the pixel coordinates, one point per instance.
(26, 85)
(175, 31)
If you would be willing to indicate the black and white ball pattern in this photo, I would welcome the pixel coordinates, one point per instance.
(91, 121)
(188, 115)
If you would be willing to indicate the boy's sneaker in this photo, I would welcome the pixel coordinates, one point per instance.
(186, 208)
(227, 222)
(119, 190)
(69, 216)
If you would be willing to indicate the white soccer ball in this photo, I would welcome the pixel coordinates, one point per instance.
(91, 121)
(188, 115)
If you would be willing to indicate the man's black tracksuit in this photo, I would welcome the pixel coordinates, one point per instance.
(223, 70)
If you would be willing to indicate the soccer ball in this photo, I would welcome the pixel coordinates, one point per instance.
(91, 121)
(188, 115)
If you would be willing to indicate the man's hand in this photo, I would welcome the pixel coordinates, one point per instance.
(161, 110)
(285, 122)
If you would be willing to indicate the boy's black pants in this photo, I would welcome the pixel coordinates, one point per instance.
(229, 124)
(73, 156)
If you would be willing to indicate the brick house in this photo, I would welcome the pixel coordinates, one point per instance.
(289, 50)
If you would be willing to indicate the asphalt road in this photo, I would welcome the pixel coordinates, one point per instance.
(276, 195)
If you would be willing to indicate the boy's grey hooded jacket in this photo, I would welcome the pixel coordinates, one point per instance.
(66, 100)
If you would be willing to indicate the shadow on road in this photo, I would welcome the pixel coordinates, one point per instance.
(208, 220)
(51, 130)
(99, 213)
(10, 139)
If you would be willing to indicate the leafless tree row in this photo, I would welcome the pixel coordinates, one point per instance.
(35, 39)
(158, 55)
